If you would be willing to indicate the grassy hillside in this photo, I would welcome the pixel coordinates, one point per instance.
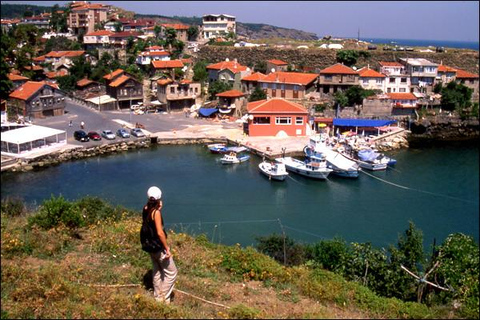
(99, 271)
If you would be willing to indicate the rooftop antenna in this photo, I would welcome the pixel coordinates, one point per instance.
(358, 37)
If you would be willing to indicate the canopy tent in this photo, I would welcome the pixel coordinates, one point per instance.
(206, 112)
(31, 137)
(362, 122)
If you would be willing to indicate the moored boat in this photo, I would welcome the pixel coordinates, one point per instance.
(314, 168)
(235, 155)
(217, 148)
(274, 171)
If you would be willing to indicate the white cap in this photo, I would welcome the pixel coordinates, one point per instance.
(155, 193)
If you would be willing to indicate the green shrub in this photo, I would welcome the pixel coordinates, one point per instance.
(328, 253)
(285, 251)
(57, 211)
(241, 311)
(12, 207)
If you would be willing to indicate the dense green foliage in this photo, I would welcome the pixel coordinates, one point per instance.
(257, 94)
(381, 270)
(200, 73)
(354, 95)
(217, 87)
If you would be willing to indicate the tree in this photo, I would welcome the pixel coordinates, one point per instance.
(217, 87)
(67, 83)
(60, 44)
(347, 57)
(257, 94)
(5, 84)
(80, 69)
(58, 21)
(157, 29)
(261, 66)
(118, 26)
(192, 33)
(200, 73)
(340, 98)
(456, 96)
(170, 37)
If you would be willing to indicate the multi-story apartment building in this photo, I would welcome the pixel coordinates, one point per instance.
(337, 78)
(178, 95)
(422, 73)
(397, 80)
(84, 16)
(100, 38)
(180, 29)
(228, 71)
(124, 88)
(215, 25)
(288, 85)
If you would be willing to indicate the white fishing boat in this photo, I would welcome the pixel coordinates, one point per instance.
(341, 166)
(236, 155)
(275, 171)
(373, 163)
(314, 168)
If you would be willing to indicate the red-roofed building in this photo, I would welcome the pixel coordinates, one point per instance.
(146, 57)
(97, 39)
(371, 79)
(469, 80)
(86, 84)
(402, 103)
(276, 116)
(59, 58)
(337, 78)
(396, 79)
(178, 95)
(83, 17)
(124, 88)
(276, 65)
(167, 66)
(39, 99)
(120, 39)
(288, 85)
(250, 82)
(228, 71)
(52, 75)
(17, 80)
(231, 102)
(180, 29)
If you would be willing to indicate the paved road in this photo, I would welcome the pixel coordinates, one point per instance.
(98, 121)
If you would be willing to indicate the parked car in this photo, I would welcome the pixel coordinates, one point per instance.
(81, 135)
(372, 47)
(409, 49)
(123, 133)
(136, 132)
(108, 134)
(94, 136)
(440, 49)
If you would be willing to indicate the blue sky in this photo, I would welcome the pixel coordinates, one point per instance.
(426, 20)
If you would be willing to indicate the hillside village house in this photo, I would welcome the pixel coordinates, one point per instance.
(217, 25)
(119, 39)
(276, 65)
(228, 71)
(422, 73)
(17, 79)
(397, 79)
(288, 85)
(469, 80)
(152, 54)
(371, 79)
(95, 39)
(41, 21)
(180, 30)
(124, 88)
(39, 99)
(277, 117)
(62, 58)
(403, 103)
(337, 78)
(249, 83)
(167, 66)
(231, 102)
(84, 16)
(445, 74)
(176, 95)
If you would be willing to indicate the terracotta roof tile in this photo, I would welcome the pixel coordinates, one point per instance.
(16, 77)
(390, 64)
(444, 68)
(338, 69)
(175, 26)
(254, 77)
(114, 74)
(120, 80)
(34, 68)
(369, 73)
(84, 82)
(100, 33)
(233, 66)
(154, 53)
(164, 82)
(401, 96)
(39, 59)
(290, 77)
(230, 94)
(167, 64)
(275, 105)
(461, 74)
(125, 34)
(58, 54)
(56, 74)
(278, 62)
(155, 48)
(25, 91)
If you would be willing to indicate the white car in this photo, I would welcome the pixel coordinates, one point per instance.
(108, 134)
(136, 132)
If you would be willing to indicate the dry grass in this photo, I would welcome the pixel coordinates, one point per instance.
(102, 275)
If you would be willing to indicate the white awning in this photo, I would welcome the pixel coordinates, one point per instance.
(102, 99)
(28, 134)
(419, 95)
(156, 103)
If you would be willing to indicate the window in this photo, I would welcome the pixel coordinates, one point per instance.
(365, 81)
(379, 81)
(328, 78)
(264, 85)
(295, 87)
(391, 80)
(401, 90)
(261, 120)
(403, 80)
(299, 120)
(172, 90)
(283, 120)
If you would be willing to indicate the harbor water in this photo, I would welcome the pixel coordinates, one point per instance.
(435, 188)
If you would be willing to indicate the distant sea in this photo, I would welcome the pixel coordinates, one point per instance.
(425, 43)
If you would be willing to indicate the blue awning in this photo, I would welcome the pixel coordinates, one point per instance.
(207, 111)
(362, 122)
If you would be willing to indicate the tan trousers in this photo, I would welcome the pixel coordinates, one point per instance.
(164, 275)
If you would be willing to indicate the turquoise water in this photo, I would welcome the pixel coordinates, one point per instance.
(436, 188)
